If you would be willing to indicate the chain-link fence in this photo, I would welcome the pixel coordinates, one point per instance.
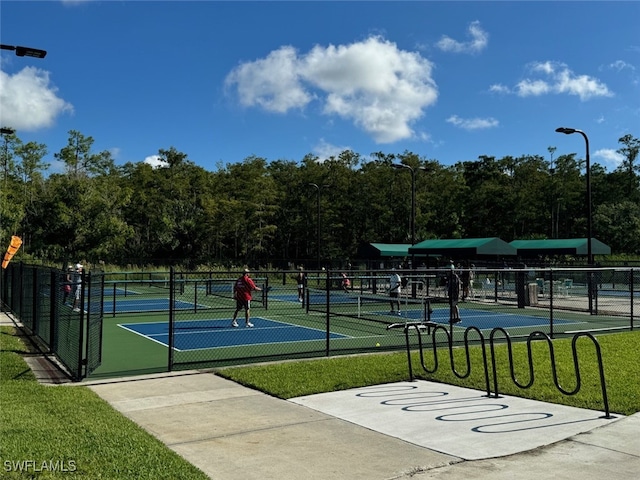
(61, 315)
(159, 321)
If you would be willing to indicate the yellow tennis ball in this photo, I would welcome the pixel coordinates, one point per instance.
(377, 344)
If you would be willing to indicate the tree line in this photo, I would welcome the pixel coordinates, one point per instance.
(260, 212)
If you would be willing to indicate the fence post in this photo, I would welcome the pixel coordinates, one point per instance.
(551, 303)
(328, 315)
(171, 312)
(631, 289)
(53, 312)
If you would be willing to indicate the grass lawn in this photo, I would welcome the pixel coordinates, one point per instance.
(619, 352)
(70, 432)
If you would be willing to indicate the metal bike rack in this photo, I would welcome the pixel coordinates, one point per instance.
(431, 328)
(536, 336)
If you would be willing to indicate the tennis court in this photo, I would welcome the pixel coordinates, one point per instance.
(216, 333)
(328, 323)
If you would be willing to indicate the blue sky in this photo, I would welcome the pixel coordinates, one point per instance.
(221, 81)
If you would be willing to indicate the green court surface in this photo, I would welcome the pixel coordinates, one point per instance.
(135, 341)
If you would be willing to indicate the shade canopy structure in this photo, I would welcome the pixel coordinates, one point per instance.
(464, 247)
(560, 246)
(383, 250)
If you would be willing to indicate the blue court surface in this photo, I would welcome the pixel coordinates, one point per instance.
(146, 305)
(201, 334)
(483, 319)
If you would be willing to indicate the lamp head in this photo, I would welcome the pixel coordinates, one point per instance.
(401, 165)
(566, 130)
(30, 52)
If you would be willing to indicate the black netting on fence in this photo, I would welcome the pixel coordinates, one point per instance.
(55, 311)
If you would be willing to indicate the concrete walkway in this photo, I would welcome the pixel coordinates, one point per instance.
(395, 431)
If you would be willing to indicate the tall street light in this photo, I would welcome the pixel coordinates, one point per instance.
(413, 198)
(413, 215)
(317, 187)
(5, 132)
(569, 131)
(25, 51)
(20, 52)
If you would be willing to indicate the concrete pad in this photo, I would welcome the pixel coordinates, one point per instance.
(231, 432)
(166, 390)
(624, 438)
(563, 461)
(326, 449)
(456, 421)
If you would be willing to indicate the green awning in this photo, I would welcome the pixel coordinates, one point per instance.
(379, 250)
(463, 247)
(561, 246)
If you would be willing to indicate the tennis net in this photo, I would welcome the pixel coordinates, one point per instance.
(375, 308)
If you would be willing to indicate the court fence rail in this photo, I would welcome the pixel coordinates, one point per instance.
(149, 322)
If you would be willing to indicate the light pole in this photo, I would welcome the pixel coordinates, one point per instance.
(413, 198)
(25, 51)
(20, 52)
(5, 132)
(317, 187)
(569, 131)
(413, 216)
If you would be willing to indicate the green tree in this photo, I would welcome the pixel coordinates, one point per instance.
(621, 222)
(629, 151)
(30, 170)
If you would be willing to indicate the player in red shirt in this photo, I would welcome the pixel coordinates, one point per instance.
(242, 293)
(346, 283)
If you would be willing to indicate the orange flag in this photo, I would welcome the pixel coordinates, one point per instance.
(11, 251)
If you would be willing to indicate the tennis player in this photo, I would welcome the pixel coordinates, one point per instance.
(77, 281)
(301, 280)
(242, 293)
(395, 286)
(454, 297)
(346, 283)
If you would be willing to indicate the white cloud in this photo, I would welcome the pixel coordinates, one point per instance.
(272, 83)
(609, 156)
(620, 65)
(473, 123)
(528, 88)
(499, 88)
(479, 41)
(380, 88)
(325, 150)
(28, 101)
(155, 162)
(559, 79)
